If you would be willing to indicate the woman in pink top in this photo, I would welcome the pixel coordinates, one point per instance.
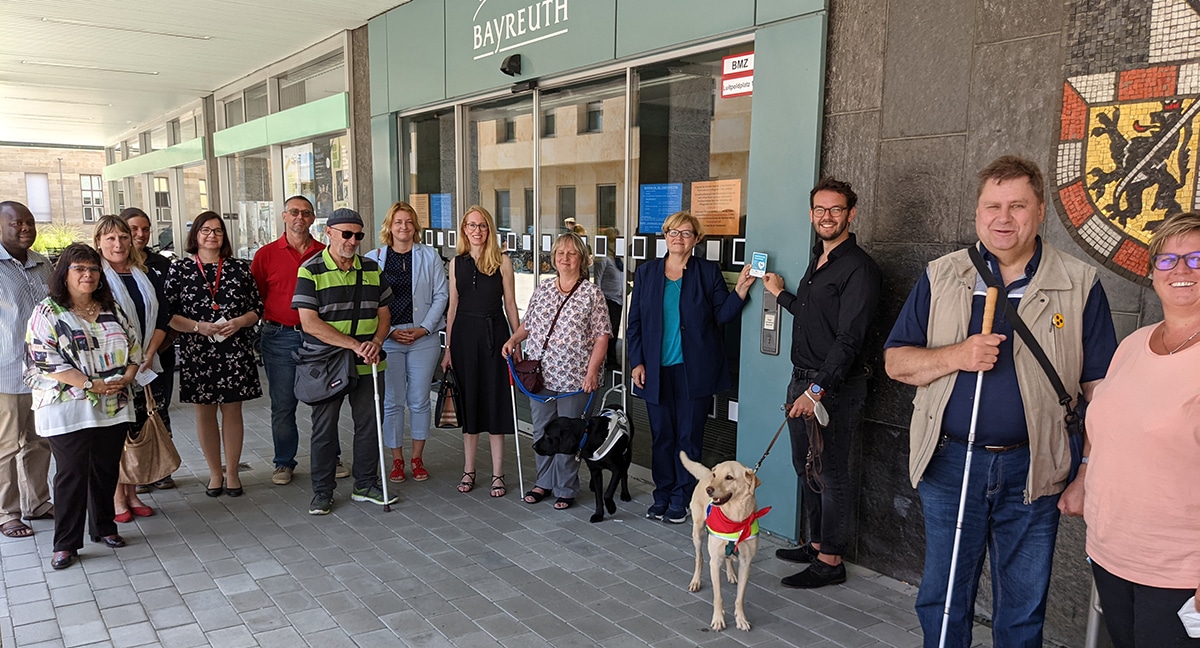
(1142, 502)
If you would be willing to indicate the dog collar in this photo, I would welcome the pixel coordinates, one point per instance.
(618, 429)
(734, 533)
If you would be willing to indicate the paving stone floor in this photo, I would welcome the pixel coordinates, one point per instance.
(441, 569)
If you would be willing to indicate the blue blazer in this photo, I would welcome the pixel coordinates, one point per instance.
(431, 288)
(704, 303)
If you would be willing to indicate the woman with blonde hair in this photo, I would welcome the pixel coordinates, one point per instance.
(142, 296)
(419, 297)
(483, 312)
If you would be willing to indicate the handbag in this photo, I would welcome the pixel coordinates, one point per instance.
(324, 371)
(150, 454)
(529, 372)
(446, 411)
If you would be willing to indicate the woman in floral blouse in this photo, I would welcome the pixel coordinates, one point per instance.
(572, 356)
(84, 359)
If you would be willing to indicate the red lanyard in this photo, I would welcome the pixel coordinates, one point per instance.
(212, 288)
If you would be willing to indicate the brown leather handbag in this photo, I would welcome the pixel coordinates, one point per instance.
(150, 454)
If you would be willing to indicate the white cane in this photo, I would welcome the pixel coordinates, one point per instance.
(387, 508)
(989, 313)
(512, 390)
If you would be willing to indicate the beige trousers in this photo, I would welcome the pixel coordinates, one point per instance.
(24, 461)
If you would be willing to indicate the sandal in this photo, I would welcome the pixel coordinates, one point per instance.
(501, 490)
(564, 503)
(468, 482)
(16, 529)
(533, 496)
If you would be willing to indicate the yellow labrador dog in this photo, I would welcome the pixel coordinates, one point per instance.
(724, 506)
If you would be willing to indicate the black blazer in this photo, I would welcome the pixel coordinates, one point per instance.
(704, 303)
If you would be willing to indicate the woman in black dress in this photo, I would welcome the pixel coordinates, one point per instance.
(214, 300)
(482, 314)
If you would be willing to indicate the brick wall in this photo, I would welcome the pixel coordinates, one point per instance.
(65, 196)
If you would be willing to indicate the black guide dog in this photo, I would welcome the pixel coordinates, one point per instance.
(608, 445)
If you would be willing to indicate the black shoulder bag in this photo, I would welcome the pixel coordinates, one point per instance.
(324, 371)
(1073, 416)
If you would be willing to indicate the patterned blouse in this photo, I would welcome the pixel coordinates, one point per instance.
(583, 319)
(59, 340)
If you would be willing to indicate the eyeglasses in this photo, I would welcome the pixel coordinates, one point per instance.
(678, 233)
(347, 234)
(84, 269)
(1169, 261)
(211, 231)
(833, 211)
(306, 213)
(476, 227)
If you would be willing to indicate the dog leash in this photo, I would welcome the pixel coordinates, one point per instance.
(773, 439)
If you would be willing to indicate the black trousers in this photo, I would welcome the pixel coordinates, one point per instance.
(324, 448)
(828, 514)
(1140, 616)
(89, 462)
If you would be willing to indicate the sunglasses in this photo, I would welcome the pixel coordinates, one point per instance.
(1168, 261)
(347, 234)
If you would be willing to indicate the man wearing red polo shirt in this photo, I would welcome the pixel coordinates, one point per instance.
(274, 268)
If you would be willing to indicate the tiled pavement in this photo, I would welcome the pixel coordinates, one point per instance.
(442, 569)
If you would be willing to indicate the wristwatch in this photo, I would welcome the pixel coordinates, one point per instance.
(87, 385)
(815, 389)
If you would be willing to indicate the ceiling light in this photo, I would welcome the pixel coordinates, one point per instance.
(60, 101)
(84, 23)
(97, 68)
(50, 117)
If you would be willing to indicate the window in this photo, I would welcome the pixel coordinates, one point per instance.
(510, 130)
(529, 207)
(317, 80)
(606, 206)
(233, 113)
(256, 101)
(548, 126)
(158, 139)
(91, 189)
(37, 196)
(595, 117)
(503, 210)
(162, 200)
(566, 203)
(203, 191)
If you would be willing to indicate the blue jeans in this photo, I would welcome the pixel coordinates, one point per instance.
(277, 345)
(409, 376)
(1019, 539)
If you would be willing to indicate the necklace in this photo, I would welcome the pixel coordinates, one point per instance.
(1181, 345)
(87, 312)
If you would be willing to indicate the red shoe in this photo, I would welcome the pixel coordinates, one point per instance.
(419, 472)
(141, 511)
(397, 474)
(123, 517)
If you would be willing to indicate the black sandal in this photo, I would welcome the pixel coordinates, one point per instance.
(501, 490)
(533, 497)
(467, 485)
(564, 503)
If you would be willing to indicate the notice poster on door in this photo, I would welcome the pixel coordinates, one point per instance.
(440, 211)
(657, 202)
(420, 204)
(717, 203)
(298, 171)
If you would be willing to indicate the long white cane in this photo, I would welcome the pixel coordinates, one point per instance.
(512, 390)
(989, 313)
(387, 508)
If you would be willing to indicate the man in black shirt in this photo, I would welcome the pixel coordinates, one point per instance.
(831, 310)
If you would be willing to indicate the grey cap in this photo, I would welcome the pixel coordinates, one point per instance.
(344, 216)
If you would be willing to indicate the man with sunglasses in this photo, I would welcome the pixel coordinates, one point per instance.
(1021, 455)
(274, 268)
(24, 456)
(343, 301)
(831, 309)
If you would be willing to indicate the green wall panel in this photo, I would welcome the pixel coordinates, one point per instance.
(320, 116)
(385, 164)
(416, 53)
(243, 137)
(644, 25)
(377, 48)
(568, 35)
(172, 156)
(772, 10)
(785, 153)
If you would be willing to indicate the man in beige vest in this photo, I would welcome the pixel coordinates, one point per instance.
(1022, 456)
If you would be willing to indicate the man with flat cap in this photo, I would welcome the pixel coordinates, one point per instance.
(343, 301)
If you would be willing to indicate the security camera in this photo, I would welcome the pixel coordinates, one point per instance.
(511, 65)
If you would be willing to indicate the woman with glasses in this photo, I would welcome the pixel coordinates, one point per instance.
(419, 298)
(567, 328)
(144, 302)
(677, 353)
(1140, 477)
(483, 312)
(214, 302)
(84, 359)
